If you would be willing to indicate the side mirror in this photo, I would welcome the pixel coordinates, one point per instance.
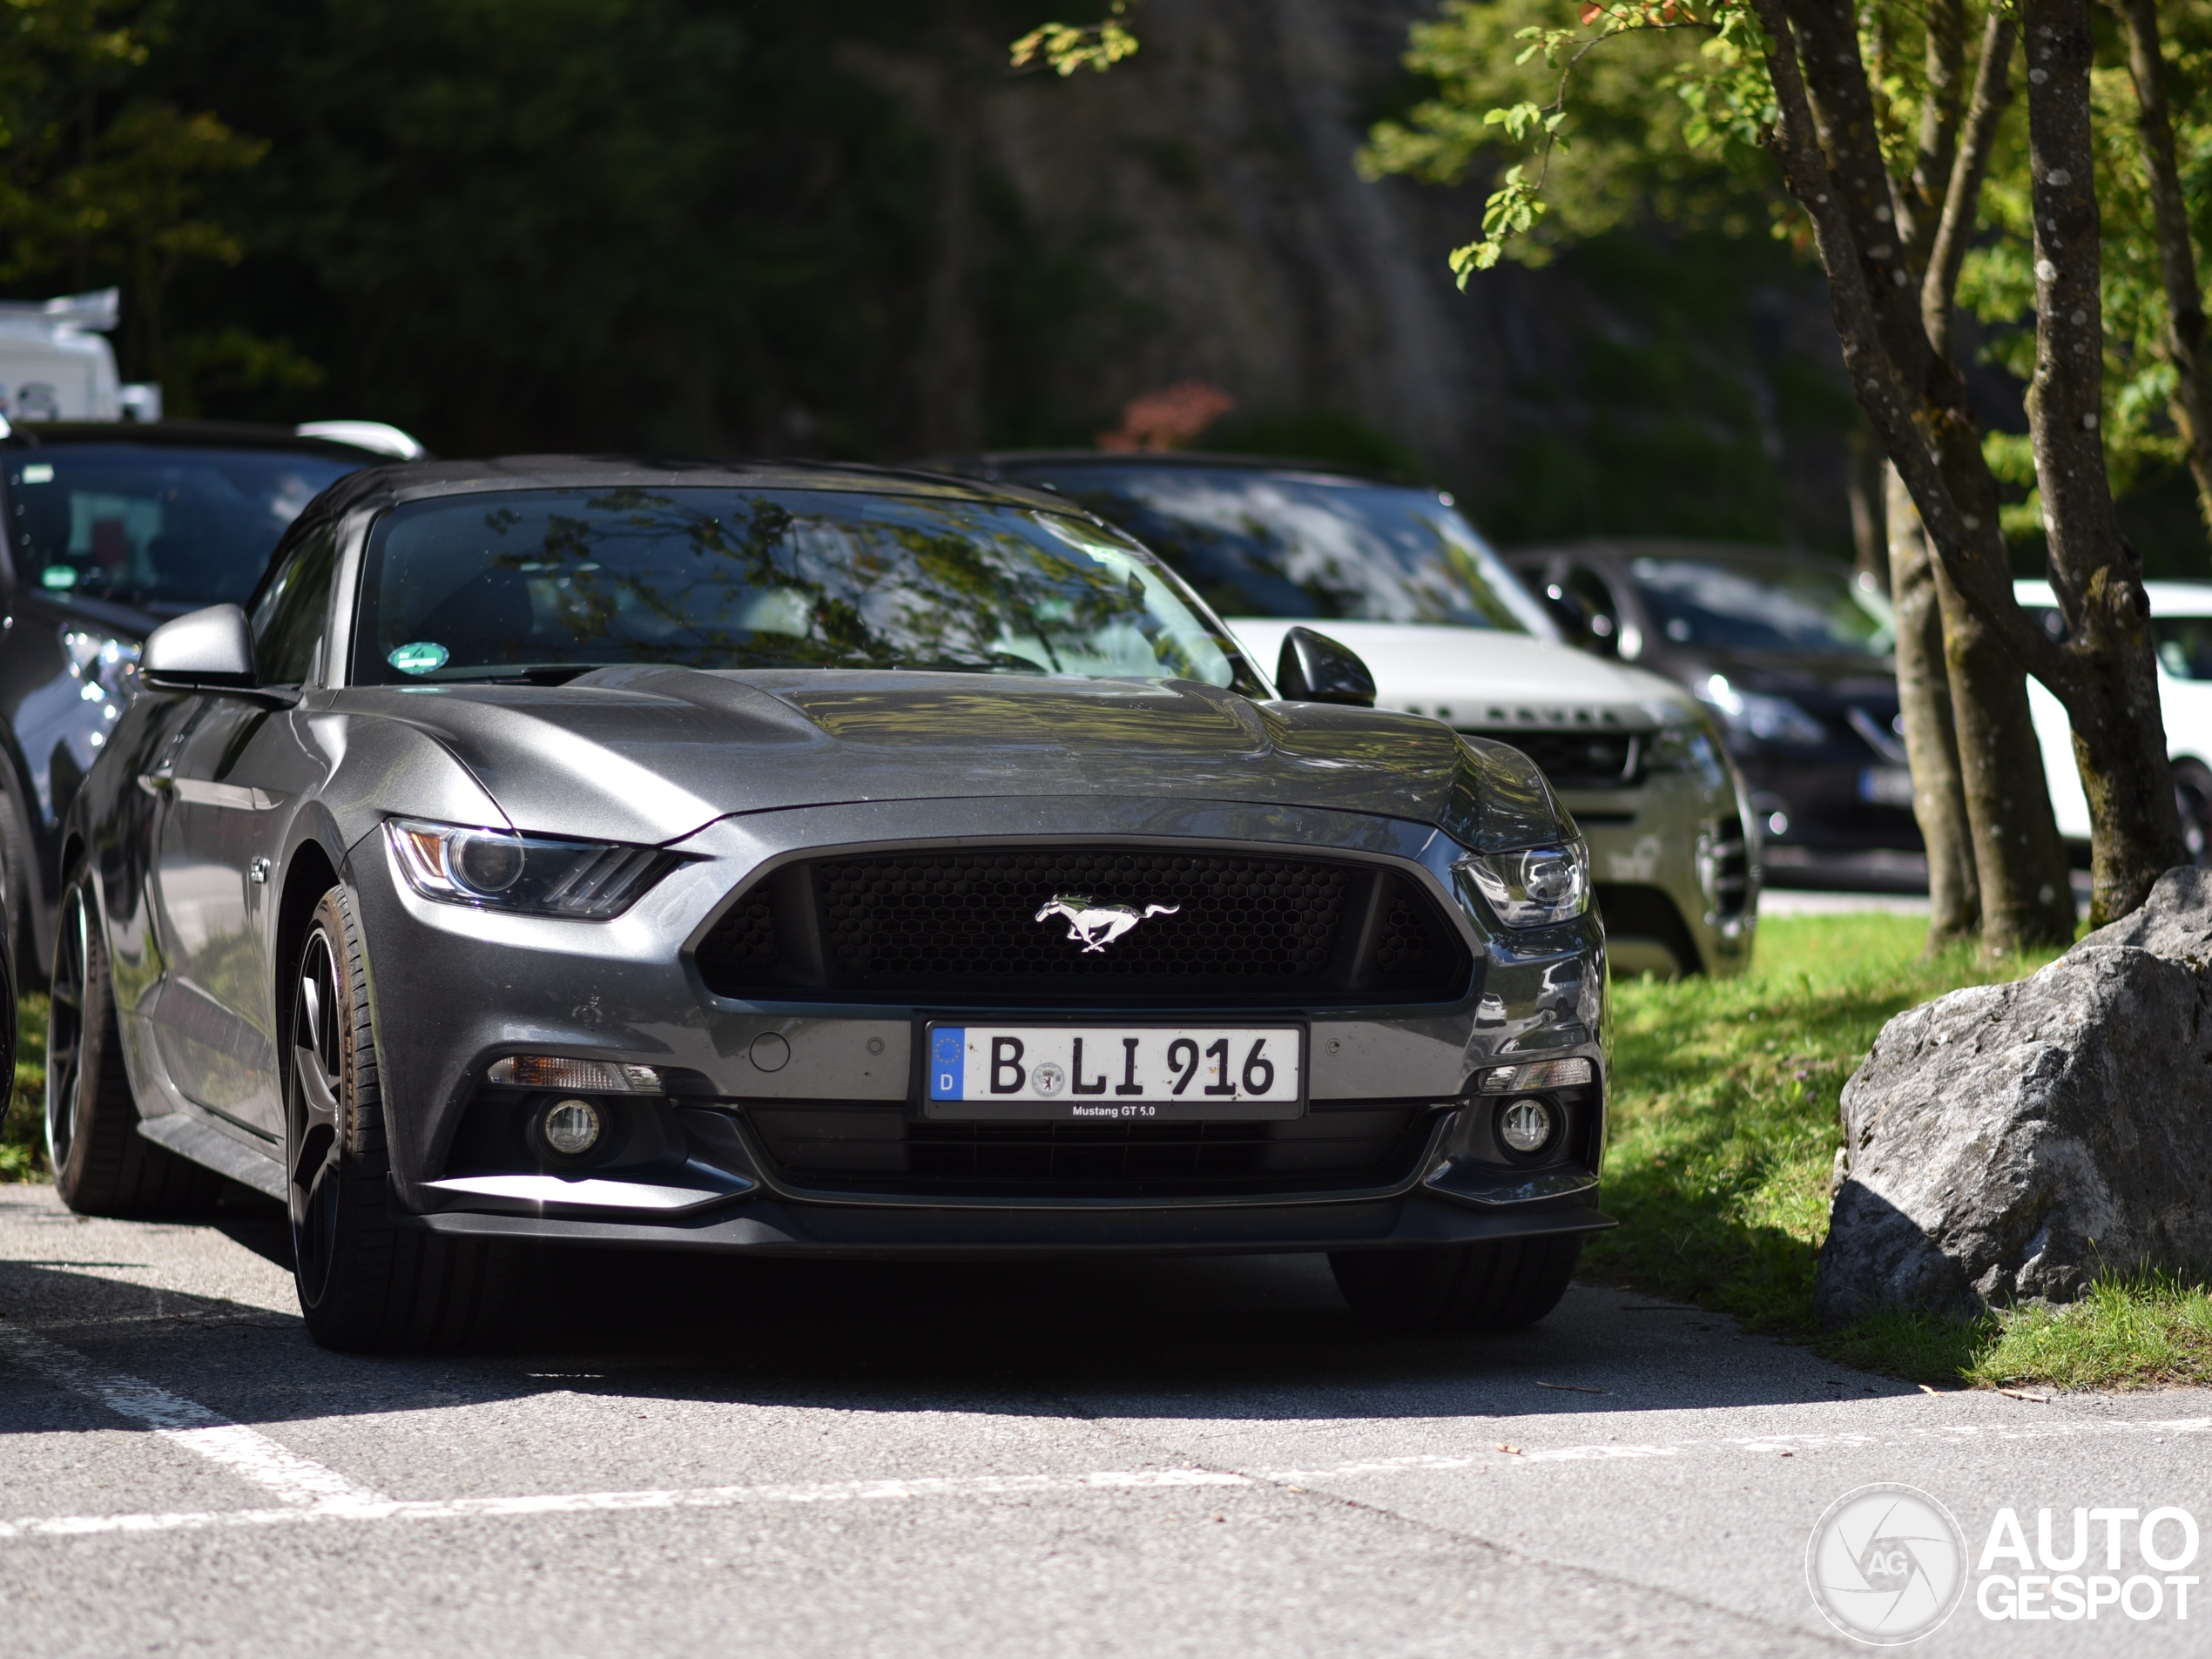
(1315, 668)
(1586, 630)
(206, 650)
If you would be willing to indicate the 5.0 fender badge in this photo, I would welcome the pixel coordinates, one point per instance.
(1095, 926)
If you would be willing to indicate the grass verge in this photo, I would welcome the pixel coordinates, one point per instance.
(22, 1123)
(1723, 1138)
(1724, 1125)
(2140, 1332)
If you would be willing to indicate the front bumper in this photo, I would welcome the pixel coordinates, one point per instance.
(452, 988)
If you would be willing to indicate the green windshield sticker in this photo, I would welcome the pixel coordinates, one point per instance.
(57, 575)
(418, 657)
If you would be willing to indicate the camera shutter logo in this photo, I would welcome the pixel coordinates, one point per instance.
(1887, 1564)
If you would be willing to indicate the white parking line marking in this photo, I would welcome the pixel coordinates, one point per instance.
(250, 1455)
(693, 1497)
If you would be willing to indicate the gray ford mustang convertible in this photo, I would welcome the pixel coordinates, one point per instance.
(811, 861)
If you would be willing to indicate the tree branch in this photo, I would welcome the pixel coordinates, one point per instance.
(1920, 205)
(1962, 201)
(2066, 397)
(1837, 97)
(2185, 322)
(1883, 391)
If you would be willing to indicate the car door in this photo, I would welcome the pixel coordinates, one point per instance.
(229, 782)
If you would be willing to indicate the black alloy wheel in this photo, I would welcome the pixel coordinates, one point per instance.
(366, 1281)
(102, 1165)
(312, 1147)
(65, 1031)
(2193, 800)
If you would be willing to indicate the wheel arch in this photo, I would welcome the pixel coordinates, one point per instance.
(309, 872)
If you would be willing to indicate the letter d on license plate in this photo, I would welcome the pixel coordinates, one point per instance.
(1115, 1073)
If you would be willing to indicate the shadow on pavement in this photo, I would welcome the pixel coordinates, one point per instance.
(1248, 1338)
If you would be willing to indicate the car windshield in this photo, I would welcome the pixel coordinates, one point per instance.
(156, 525)
(1281, 543)
(1761, 607)
(484, 586)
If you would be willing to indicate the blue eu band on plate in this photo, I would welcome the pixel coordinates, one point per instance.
(1115, 1071)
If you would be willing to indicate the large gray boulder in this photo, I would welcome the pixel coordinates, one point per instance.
(2012, 1141)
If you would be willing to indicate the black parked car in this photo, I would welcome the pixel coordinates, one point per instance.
(111, 530)
(1795, 658)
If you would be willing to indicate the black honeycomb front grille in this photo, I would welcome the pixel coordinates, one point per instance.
(1222, 917)
(945, 925)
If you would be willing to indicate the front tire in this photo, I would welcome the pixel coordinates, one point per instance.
(365, 1283)
(102, 1165)
(1458, 1287)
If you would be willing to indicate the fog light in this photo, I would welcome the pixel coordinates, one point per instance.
(1525, 1125)
(572, 1127)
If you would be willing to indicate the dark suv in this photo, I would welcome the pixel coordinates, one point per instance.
(111, 530)
(1793, 654)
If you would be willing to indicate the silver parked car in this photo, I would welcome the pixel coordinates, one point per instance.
(809, 861)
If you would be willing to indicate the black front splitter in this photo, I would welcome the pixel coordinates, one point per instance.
(770, 1226)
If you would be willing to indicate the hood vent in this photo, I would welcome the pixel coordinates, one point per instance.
(950, 927)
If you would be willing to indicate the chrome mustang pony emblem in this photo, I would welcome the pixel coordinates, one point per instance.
(1096, 926)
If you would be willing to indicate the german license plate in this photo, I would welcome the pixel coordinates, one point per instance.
(1108, 1072)
(1886, 786)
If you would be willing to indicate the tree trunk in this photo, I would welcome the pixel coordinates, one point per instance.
(2191, 404)
(1831, 163)
(2026, 887)
(2119, 736)
(1931, 739)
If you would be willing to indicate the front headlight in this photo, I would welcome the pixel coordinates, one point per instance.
(1760, 717)
(1533, 887)
(534, 874)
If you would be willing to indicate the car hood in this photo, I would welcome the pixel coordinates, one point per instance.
(1478, 676)
(649, 754)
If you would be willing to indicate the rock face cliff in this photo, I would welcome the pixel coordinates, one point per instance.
(1208, 183)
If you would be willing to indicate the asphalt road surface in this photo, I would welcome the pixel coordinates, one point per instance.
(1208, 1458)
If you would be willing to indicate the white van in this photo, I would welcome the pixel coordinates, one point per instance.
(54, 365)
(2180, 629)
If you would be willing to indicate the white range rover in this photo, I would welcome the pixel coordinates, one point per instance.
(1396, 573)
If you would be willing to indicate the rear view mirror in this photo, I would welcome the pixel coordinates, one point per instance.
(1587, 630)
(206, 650)
(1315, 668)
